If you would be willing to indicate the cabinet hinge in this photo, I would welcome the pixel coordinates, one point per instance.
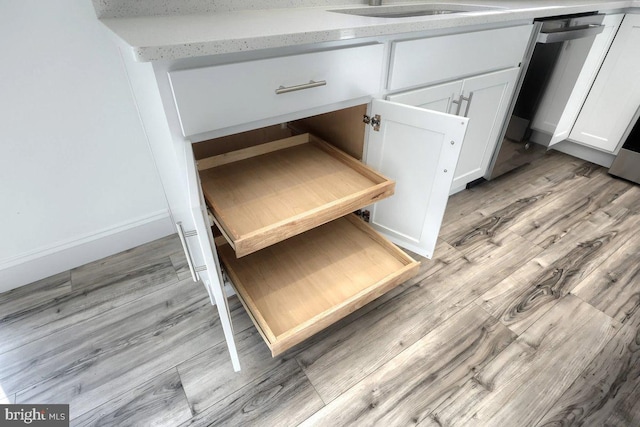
(210, 215)
(364, 214)
(225, 276)
(373, 121)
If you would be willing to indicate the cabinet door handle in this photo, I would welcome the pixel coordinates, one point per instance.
(458, 103)
(466, 110)
(303, 86)
(187, 253)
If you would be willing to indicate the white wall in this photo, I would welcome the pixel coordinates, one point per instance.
(77, 180)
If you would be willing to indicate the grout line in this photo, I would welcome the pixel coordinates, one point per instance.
(102, 313)
(619, 323)
(410, 346)
(473, 374)
(479, 305)
(310, 382)
(137, 385)
(195, 303)
(26, 292)
(406, 347)
(580, 376)
(184, 391)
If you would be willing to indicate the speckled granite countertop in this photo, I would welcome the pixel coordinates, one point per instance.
(174, 36)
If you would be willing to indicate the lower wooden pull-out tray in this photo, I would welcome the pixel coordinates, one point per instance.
(264, 194)
(300, 286)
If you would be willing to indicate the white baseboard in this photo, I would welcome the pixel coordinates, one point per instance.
(44, 262)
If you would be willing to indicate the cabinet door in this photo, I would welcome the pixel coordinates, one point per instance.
(559, 117)
(485, 102)
(418, 149)
(565, 73)
(615, 95)
(443, 98)
(211, 276)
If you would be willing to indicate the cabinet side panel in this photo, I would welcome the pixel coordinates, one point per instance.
(343, 129)
(238, 141)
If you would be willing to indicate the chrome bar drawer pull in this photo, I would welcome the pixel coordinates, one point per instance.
(187, 253)
(303, 86)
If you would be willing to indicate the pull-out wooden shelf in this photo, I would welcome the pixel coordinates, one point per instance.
(265, 194)
(297, 287)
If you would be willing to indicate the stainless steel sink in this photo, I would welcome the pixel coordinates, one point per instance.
(406, 11)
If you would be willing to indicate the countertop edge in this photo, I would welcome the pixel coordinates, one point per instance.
(217, 43)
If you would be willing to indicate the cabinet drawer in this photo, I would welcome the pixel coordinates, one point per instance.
(264, 194)
(227, 95)
(300, 286)
(438, 59)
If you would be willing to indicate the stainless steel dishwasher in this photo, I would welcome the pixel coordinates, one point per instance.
(551, 36)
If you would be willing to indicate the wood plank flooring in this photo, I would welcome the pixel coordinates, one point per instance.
(529, 315)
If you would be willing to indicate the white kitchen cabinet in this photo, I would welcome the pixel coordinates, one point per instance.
(295, 255)
(615, 95)
(571, 80)
(304, 272)
(484, 100)
(296, 268)
(444, 98)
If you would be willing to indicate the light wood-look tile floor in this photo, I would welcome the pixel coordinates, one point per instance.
(527, 316)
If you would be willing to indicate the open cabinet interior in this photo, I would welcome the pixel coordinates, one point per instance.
(342, 128)
(282, 198)
(262, 194)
